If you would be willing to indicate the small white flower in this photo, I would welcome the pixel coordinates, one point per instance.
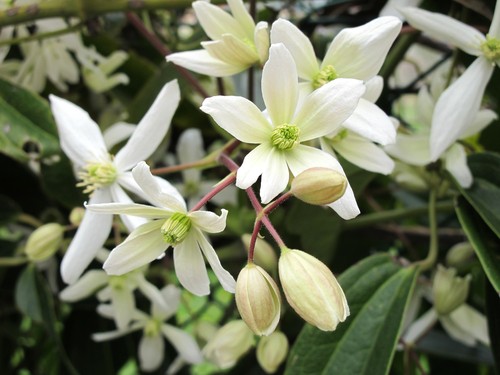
(105, 175)
(237, 43)
(152, 344)
(172, 225)
(460, 102)
(280, 133)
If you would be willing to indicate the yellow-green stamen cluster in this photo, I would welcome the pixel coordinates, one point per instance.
(97, 175)
(285, 137)
(176, 228)
(491, 49)
(340, 136)
(118, 282)
(152, 328)
(325, 75)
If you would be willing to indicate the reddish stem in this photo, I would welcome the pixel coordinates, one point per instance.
(228, 180)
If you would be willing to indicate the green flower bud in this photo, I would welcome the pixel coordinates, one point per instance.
(449, 291)
(44, 242)
(76, 216)
(258, 300)
(264, 254)
(460, 255)
(230, 342)
(272, 351)
(312, 290)
(319, 186)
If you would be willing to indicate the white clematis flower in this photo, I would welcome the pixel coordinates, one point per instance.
(103, 175)
(152, 344)
(172, 225)
(415, 148)
(117, 289)
(237, 43)
(460, 102)
(280, 135)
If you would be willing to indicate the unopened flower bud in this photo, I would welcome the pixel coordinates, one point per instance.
(258, 299)
(230, 342)
(44, 242)
(319, 186)
(312, 290)
(264, 254)
(460, 255)
(76, 216)
(272, 351)
(449, 291)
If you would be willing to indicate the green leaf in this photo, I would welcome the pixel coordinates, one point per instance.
(34, 298)
(484, 194)
(378, 291)
(484, 241)
(26, 123)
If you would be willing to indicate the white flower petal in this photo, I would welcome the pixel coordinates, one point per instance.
(391, 7)
(232, 51)
(184, 343)
(446, 29)
(123, 304)
(152, 293)
(261, 39)
(359, 52)
(494, 31)
(216, 22)
(225, 278)
(252, 166)
(190, 148)
(370, 122)
(151, 129)
(118, 195)
(455, 161)
(326, 108)
(136, 250)
(200, 61)
(457, 107)
(87, 285)
(420, 327)
(171, 295)
(209, 221)
(241, 15)
(280, 85)
(304, 157)
(151, 352)
(190, 266)
(105, 336)
(154, 191)
(364, 154)
(89, 239)
(117, 133)
(346, 207)
(374, 87)
(468, 320)
(275, 175)
(299, 45)
(239, 117)
(483, 119)
(412, 149)
(81, 138)
(134, 209)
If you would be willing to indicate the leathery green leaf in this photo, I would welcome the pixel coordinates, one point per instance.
(377, 290)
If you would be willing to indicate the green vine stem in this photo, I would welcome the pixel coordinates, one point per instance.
(431, 258)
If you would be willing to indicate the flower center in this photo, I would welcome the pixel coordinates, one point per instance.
(176, 228)
(117, 282)
(340, 136)
(285, 137)
(97, 175)
(324, 76)
(152, 328)
(491, 49)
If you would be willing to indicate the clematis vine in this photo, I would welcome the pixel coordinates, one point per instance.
(237, 42)
(172, 225)
(281, 132)
(103, 175)
(456, 108)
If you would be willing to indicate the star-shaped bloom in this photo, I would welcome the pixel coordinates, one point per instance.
(358, 53)
(172, 225)
(237, 43)
(154, 328)
(106, 176)
(414, 148)
(281, 132)
(460, 102)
